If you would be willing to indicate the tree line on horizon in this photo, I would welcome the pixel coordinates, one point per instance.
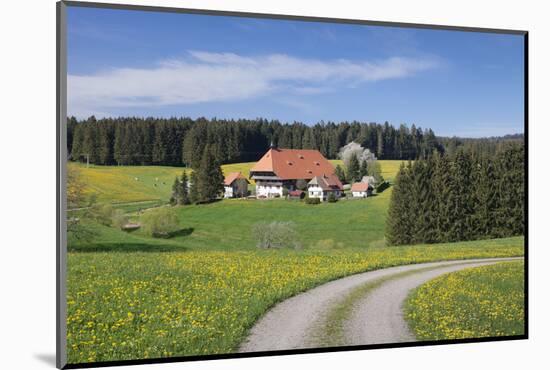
(459, 196)
(181, 141)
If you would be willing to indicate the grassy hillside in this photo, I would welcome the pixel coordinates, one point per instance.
(120, 184)
(227, 224)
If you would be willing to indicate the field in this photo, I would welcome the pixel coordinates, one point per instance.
(124, 184)
(132, 296)
(157, 304)
(121, 184)
(479, 302)
(227, 225)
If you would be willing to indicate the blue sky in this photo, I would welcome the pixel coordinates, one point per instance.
(123, 62)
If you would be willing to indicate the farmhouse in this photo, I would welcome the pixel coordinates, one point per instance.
(361, 189)
(321, 186)
(235, 185)
(284, 168)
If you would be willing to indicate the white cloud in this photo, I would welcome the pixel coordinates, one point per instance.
(215, 77)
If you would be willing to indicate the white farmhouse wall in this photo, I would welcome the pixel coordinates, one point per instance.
(316, 192)
(228, 192)
(269, 189)
(359, 194)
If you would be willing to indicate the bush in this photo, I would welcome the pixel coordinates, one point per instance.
(313, 201)
(159, 222)
(383, 186)
(276, 234)
(332, 198)
(102, 213)
(119, 219)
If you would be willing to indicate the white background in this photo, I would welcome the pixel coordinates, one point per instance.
(27, 182)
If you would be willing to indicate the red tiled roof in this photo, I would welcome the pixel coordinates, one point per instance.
(330, 182)
(360, 186)
(232, 176)
(294, 164)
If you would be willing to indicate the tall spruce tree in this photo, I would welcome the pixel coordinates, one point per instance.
(193, 188)
(363, 170)
(209, 177)
(340, 173)
(185, 199)
(353, 169)
(461, 213)
(442, 186)
(426, 209)
(486, 197)
(400, 220)
(510, 187)
(175, 197)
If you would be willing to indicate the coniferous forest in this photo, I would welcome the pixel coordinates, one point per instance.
(464, 195)
(181, 141)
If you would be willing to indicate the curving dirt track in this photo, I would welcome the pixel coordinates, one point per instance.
(376, 317)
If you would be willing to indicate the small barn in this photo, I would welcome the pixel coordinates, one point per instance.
(361, 190)
(235, 185)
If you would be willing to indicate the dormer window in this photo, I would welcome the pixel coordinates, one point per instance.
(317, 163)
(289, 163)
(300, 156)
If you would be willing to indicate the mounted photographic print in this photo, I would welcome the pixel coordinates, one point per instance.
(236, 184)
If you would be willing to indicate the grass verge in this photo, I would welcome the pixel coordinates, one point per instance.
(485, 301)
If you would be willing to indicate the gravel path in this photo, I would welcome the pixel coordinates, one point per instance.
(294, 322)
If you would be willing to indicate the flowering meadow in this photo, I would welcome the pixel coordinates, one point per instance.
(132, 305)
(485, 301)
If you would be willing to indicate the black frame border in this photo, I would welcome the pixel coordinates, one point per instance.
(61, 102)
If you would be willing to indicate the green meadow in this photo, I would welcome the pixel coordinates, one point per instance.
(227, 225)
